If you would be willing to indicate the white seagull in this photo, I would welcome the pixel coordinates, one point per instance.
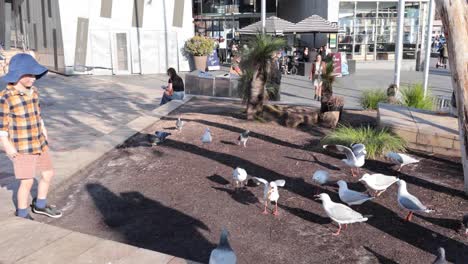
(239, 175)
(207, 138)
(378, 182)
(179, 124)
(243, 137)
(409, 201)
(351, 197)
(401, 159)
(355, 157)
(339, 213)
(270, 192)
(223, 253)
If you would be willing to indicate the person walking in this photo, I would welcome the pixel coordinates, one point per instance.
(444, 55)
(222, 50)
(318, 68)
(24, 135)
(174, 89)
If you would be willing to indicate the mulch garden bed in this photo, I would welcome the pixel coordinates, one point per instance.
(176, 197)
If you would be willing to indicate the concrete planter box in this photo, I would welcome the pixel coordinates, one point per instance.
(211, 84)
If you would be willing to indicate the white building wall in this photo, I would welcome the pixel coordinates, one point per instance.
(160, 42)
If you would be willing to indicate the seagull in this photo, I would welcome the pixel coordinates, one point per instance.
(409, 201)
(223, 253)
(354, 160)
(240, 176)
(160, 137)
(270, 192)
(351, 197)
(339, 213)
(378, 182)
(206, 138)
(322, 177)
(465, 223)
(243, 137)
(401, 159)
(440, 256)
(179, 124)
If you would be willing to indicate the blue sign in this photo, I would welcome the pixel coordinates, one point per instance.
(213, 61)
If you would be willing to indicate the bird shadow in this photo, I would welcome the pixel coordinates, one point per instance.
(381, 258)
(138, 140)
(240, 195)
(306, 215)
(218, 179)
(442, 222)
(228, 143)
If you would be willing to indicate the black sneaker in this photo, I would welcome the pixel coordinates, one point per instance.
(27, 217)
(49, 210)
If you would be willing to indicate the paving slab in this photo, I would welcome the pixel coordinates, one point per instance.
(20, 238)
(144, 256)
(105, 252)
(63, 250)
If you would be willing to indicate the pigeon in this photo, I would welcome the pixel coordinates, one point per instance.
(339, 213)
(409, 201)
(206, 138)
(378, 182)
(440, 256)
(465, 223)
(351, 197)
(223, 253)
(160, 137)
(354, 160)
(243, 137)
(239, 176)
(179, 124)
(270, 192)
(401, 159)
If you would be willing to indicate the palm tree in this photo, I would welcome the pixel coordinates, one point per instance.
(256, 61)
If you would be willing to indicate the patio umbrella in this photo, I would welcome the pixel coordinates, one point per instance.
(313, 24)
(273, 25)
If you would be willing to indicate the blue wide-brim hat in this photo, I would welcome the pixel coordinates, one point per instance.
(22, 64)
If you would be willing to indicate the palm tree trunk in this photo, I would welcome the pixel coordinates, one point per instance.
(257, 94)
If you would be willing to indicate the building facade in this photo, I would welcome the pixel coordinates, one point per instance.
(104, 36)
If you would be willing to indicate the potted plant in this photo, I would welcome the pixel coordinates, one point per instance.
(200, 47)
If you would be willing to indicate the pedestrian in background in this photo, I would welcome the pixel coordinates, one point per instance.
(318, 68)
(24, 135)
(174, 89)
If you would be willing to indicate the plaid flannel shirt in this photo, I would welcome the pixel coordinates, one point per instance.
(20, 117)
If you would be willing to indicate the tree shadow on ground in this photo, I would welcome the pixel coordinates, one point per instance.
(316, 161)
(384, 219)
(218, 179)
(382, 259)
(306, 215)
(240, 195)
(448, 223)
(147, 223)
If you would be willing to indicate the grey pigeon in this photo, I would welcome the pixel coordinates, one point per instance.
(160, 137)
(440, 256)
(207, 138)
(243, 137)
(465, 223)
(223, 253)
(179, 124)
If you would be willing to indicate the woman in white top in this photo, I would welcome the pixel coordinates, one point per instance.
(318, 68)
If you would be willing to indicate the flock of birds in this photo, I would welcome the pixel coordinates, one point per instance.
(337, 212)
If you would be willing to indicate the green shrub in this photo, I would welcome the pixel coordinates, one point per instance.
(199, 46)
(377, 141)
(371, 98)
(413, 96)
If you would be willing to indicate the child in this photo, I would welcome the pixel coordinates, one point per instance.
(24, 136)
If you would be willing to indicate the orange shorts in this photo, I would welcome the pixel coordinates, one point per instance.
(27, 165)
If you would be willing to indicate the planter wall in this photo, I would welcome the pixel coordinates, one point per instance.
(200, 62)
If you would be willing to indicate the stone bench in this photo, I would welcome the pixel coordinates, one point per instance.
(422, 130)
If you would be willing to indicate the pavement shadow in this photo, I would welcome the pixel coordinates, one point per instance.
(448, 223)
(306, 215)
(382, 259)
(142, 222)
(13, 187)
